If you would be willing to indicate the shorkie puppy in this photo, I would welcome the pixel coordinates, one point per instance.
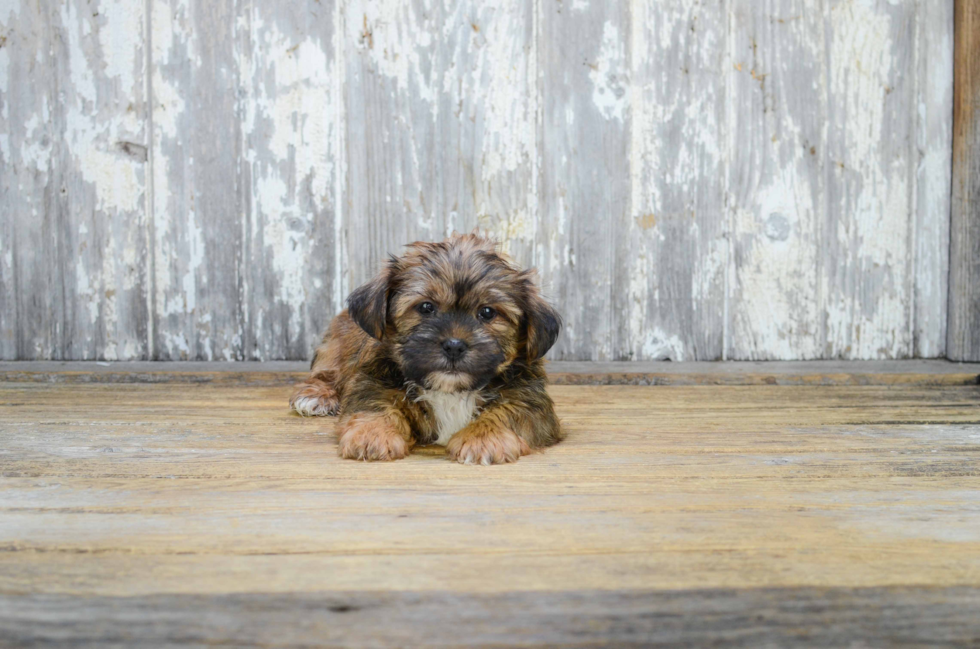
(444, 346)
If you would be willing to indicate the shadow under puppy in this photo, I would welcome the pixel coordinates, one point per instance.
(444, 346)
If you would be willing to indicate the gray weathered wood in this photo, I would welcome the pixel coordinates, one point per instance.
(866, 288)
(585, 172)
(72, 180)
(837, 100)
(934, 84)
(440, 125)
(292, 221)
(780, 617)
(392, 80)
(964, 277)
(747, 180)
(778, 112)
(677, 249)
(200, 196)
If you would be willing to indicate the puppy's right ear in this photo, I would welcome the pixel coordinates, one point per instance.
(543, 321)
(368, 305)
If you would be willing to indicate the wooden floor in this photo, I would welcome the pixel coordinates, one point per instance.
(201, 514)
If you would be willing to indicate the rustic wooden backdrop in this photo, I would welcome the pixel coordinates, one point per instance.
(696, 179)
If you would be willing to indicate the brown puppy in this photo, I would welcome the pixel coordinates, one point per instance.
(444, 346)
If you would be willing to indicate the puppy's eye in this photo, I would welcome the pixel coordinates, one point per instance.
(426, 308)
(486, 313)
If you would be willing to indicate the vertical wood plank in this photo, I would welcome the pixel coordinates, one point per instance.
(933, 159)
(290, 129)
(779, 114)
(867, 281)
(72, 180)
(200, 195)
(32, 318)
(392, 83)
(440, 124)
(676, 246)
(963, 343)
(585, 173)
(493, 96)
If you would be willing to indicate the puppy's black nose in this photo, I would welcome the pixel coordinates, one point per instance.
(454, 348)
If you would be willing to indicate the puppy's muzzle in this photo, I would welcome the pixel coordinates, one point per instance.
(454, 349)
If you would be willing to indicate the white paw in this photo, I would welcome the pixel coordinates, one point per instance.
(315, 407)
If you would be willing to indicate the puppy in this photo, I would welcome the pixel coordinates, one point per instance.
(444, 346)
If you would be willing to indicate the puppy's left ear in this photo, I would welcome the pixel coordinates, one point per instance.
(368, 304)
(543, 322)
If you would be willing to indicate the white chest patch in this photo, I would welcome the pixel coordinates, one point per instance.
(452, 411)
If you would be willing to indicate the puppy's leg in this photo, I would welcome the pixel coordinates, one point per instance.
(375, 436)
(316, 396)
(487, 440)
(521, 420)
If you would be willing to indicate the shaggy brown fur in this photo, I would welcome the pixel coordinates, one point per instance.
(450, 320)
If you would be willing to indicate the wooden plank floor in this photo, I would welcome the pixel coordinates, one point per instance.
(177, 513)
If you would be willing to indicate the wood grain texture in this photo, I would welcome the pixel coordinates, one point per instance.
(291, 115)
(779, 113)
(964, 277)
(871, 81)
(677, 248)
(847, 142)
(72, 180)
(694, 180)
(584, 53)
(198, 186)
(393, 73)
(844, 514)
(440, 125)
(934, 71)
(814, 617)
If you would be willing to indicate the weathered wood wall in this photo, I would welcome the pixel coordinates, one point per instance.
(964, 277)
(743, 179)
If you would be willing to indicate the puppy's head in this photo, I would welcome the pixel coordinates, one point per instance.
(456, 313)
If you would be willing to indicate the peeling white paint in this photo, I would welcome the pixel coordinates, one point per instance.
(708, 273)
(678, 254)
(36, 151)
(639, 302)
(658, 345)
(777, 278)
(292, 125)
(508, 128)
(91, 138)
(873, 227)
(391, 34)
(464, 76)
(176, 343)
(860, 62)
(169, 104)
(121, 41)
(934, 56)
(85, 291)
(77, 27)
(195, 259)
(610, 75)
(4, 101)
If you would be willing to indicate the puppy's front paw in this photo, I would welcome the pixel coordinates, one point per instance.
(315, 400)
(486, 443)
(371, 436)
